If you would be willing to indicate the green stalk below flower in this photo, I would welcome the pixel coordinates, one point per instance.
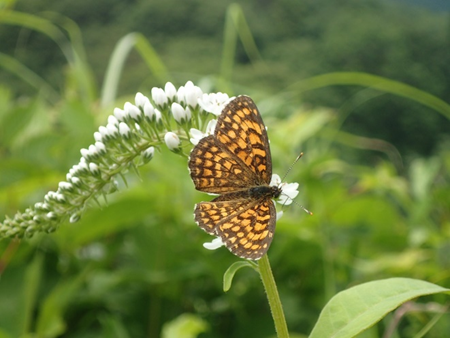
(272, 295)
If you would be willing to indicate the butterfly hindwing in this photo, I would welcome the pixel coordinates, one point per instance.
(245, 226)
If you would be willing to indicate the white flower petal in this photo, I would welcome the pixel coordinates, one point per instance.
(197, 135)
(214, 103)
(214, 244)
(288, 190)
(279, 214)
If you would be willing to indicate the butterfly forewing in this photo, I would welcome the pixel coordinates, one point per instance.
(217, 171)
(241, 129)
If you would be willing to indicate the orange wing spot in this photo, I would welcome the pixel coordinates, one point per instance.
(236, 228)
(238, 120)
(226, 226)
(245, 223)
(240, 234)
(254, 237)
(259, 227)
(248, 245)
(262, 167)
(231, 133)
(259, 152)
(243, 241)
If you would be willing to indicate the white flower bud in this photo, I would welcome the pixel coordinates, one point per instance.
(93, 151)
(94, 168)
(148, 153)
(76, 181)
(60, 197)
(172, 141)
(82, 167)
(181, 94)
(124, 130)
(74, 218)
(51, 215)
(98, 136)
(193, 93)
(158, 116)
(170, 90)
(85, 153)
(104, 132)
(65, 186)
(112, 131)
(149, 111)
(119, 115)
(140, 100)
(132, 111)
(100, 146)
(159, 96)
(180, 114)
(112, 119)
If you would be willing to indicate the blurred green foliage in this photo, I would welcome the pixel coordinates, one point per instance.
(136, 267)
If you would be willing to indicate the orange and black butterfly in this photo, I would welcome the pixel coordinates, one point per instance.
(235, 163)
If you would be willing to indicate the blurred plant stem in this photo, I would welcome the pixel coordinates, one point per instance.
(270, 286)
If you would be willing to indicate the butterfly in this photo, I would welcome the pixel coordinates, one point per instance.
(236, 164)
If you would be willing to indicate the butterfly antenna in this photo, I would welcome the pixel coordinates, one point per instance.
(290, 168)
(304, 209)
(287, 172)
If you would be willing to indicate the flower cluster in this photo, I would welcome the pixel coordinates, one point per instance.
(128, 140)
(171, 117)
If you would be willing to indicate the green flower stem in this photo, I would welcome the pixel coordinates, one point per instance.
(272, 295)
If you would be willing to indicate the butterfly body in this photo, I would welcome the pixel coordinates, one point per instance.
(236, 163)
(264, 191)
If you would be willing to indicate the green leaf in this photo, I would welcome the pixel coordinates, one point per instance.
(229, 274)
(50, 322)
(33, 278)
(184, 326)
(354, 310)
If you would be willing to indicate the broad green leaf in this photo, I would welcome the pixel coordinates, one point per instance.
(229, 274)
(354, 310)
(185, 326)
